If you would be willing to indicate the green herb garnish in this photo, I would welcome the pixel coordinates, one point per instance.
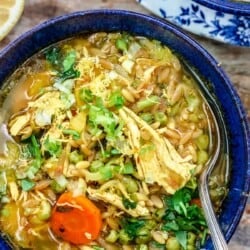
(116, 100)
(63, 64)
(128, 204)
(182, 216)
(52, 146)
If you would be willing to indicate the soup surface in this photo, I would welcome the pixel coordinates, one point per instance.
(102, 139)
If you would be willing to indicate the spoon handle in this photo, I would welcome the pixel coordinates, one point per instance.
(214, 228)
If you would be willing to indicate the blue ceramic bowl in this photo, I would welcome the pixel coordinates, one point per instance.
(118, 20)
(228, 6)
(226, 21)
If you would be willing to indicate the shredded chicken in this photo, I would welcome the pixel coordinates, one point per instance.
(161, 163)
(19, 123)
(40, 113)
(116, 200)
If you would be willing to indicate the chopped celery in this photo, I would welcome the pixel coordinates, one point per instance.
(98, 248)
(202, 142)
(68, 99)
(127, 168)
(105, 173)
(147, 102)
(160, 117)
(142, 247)
(202, 157)
(112, 236)
(193, 102)
(133, 49)
(52, 146)
(75, 157)
(130, 184)
(173, 244)
(143, 235)
(124, 237)
(75, 134)
(174, 110)
(154, 245)
(96, 165)
(192, 183)
(3, 183)
(147, 117)
(159, 213)
(44, 210)
(27, 184)
(65, 87)
(86, 95)
(58, 185)
(115, 151)
(122, 44)
(150, 224)
(5, 212)
(191, 238)
(136, 229)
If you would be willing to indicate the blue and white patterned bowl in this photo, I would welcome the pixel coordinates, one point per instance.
(222, 20)
(217, 82)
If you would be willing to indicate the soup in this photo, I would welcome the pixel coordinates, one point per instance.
(102, 140)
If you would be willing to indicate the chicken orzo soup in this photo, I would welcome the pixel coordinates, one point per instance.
(102, 140)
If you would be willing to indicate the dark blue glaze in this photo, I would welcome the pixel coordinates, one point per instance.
(118, 20)
(227, 6)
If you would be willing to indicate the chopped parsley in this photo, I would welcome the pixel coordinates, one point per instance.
(182, 216)
(63, 64)
(116, 100)
(128, 204)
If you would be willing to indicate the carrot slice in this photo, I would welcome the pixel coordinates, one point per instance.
(76, 219)
(196, 201)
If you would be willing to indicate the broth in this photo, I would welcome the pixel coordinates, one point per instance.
(102, 140)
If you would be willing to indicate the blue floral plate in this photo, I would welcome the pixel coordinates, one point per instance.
(222, 20)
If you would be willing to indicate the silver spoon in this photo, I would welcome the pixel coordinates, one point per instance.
(221, 148)
(213, 225)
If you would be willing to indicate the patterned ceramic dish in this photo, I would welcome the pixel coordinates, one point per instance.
(222, 20)
(190, 51)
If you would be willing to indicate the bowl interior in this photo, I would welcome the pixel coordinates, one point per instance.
(115, 20)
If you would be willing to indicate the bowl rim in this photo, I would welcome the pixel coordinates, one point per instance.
(227, 6)
(7, 53)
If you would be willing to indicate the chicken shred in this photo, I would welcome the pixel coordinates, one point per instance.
(116, 200)
(160, 163)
